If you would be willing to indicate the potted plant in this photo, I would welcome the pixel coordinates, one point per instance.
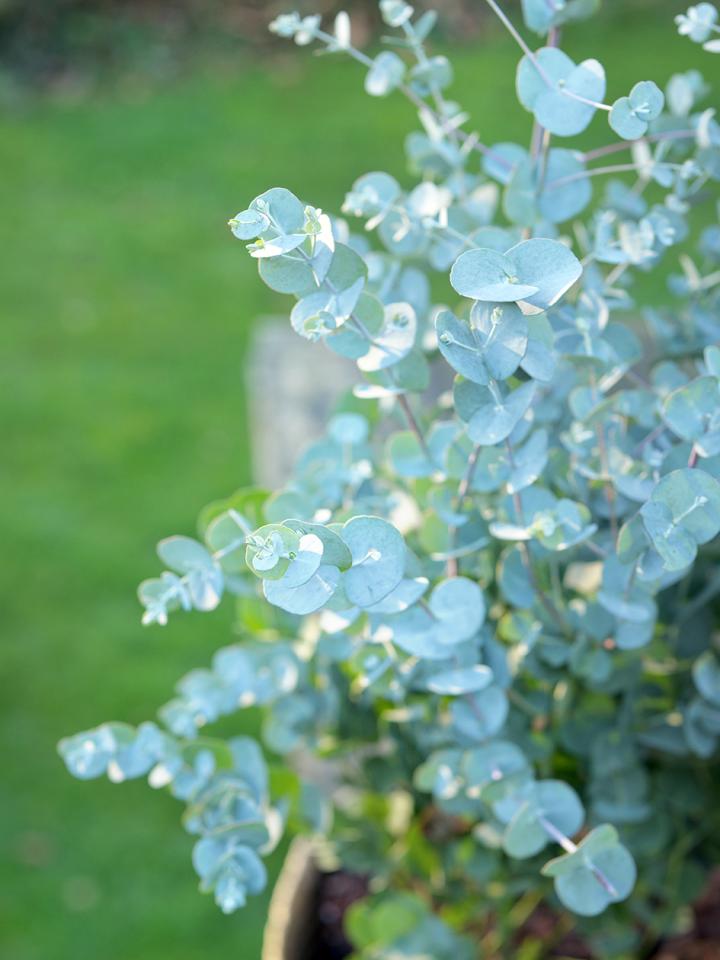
(479, 626)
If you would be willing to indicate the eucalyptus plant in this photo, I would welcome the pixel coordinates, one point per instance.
(478, 623)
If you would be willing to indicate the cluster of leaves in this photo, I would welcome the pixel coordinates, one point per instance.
(484, 633)
(223, 783)
(699, 23)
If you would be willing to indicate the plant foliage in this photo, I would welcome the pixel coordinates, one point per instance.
(479, 625)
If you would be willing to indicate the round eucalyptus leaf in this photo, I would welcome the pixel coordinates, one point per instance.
(348, 428)
(403, 235)
(458, 682)
(520, 197)
(554, 109)
(276, 246)
(566, 200)
(459, 345)
(540, 358)
(434, 74)
(372, 195)
(407, 457)
(528, 462)
(480, 715)
(312, 316)
(202, 575)
(692, 411)
(287, 274)
(647, 100)
(270, 549)
(415, 632)
(378, 555)
(496, 238)
(467, 398)
(386, 73)
(351, 340)
(500, 162)
(530, 83)
(282, 209)
(346, 269)
(598, 873)
(484, 274)
(632, 605)
(410, 374)
(502, 330)
(698, 23)
(630, 116)
(305, 563)
(459, 606)
(248, 224)
(706, 674)
(183, 554)
(563, 526)
(306, 598)
(394, 341)
(675, 544)
(624, 122)
(584, 893)
(87, 754)
(683, 511)
(496, 416)
(514, 580)
(711, 355)
(439, 774)
(225, 536)
(549, 266)
(405, 594)
(541, 15)
(493, 769)
(550, 801)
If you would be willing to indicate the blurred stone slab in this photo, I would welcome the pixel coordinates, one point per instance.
(293, 386)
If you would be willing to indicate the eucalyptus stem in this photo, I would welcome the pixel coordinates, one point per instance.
(414, 425)
(590, 103)
(463, 490)
(421, 57)
(617, 271)
(422, 106)
(611, 148)
(700, 600)
(507, 23)
(546, 602)
(569, 847)
(610, 495)
(402, 399)
(603, 171)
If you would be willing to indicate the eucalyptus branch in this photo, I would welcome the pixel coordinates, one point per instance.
(413, 424)
(421, 57)
(623, 145)
(462, 493)
(507, 23)
(548, 616)
(604, 171)
(569, 847)
(555, 615)
(438, 116)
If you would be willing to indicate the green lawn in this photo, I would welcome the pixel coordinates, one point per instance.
(127, 313)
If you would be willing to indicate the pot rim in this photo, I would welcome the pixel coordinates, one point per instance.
(289, 912)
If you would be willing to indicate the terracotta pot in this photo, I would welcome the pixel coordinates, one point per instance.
(290, 917)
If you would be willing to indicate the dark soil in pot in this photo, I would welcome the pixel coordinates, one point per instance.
(335, 892)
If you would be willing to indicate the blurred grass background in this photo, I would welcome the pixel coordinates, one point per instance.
(128, 310)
